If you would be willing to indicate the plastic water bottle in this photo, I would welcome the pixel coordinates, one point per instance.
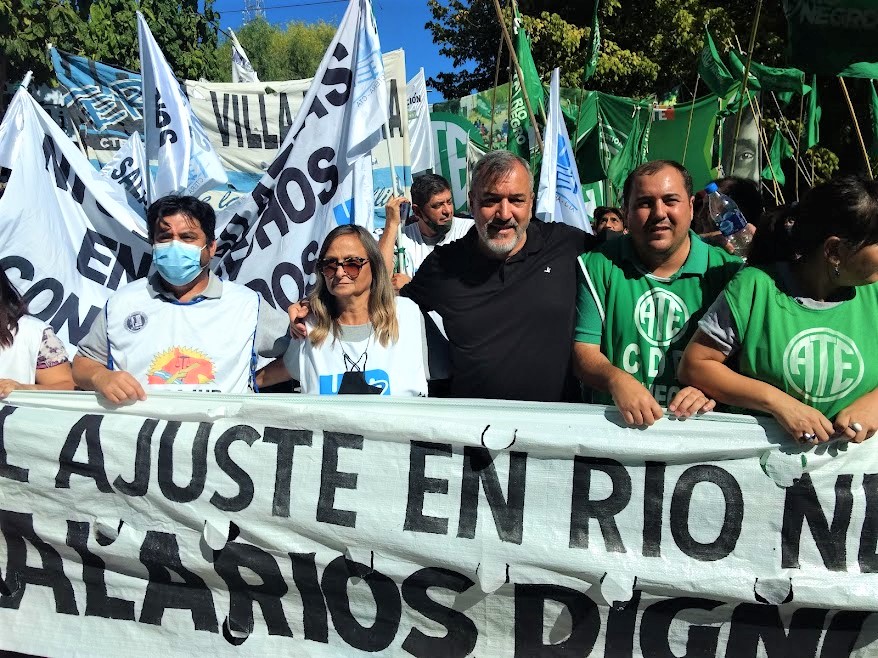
(729, 218)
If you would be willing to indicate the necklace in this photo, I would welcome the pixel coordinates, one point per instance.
(353, 365)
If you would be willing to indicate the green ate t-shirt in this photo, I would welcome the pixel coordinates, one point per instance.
(643, 322)
(827, 358)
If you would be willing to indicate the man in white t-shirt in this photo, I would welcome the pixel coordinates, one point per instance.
(436, 224)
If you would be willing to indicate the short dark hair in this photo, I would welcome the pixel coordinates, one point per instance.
(495, 166)
(600, 211)
(188, 206)
(653, 167)
(426, 186)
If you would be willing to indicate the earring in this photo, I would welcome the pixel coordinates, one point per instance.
(835, 270)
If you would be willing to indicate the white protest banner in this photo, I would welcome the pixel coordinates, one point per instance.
(559, 198)
(174, 137)
(290, 525)
(242, 69)
(271, 237)
(420, 133)
(129, 168)
(247, 122)
(67, 236)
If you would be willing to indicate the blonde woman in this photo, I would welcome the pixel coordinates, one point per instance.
(361, 338)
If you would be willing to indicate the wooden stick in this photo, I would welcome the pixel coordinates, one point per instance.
(799, 165)
(689, 127)
(509, 44)
(494, 95)
(746, 77)
(847, 98)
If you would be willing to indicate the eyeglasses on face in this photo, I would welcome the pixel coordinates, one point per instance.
(351, 266)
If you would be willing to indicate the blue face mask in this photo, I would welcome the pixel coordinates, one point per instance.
(178, 263)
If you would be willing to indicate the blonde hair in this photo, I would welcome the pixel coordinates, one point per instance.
(382, 300)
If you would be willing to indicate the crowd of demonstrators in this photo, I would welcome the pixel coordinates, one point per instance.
(31, 356)
(432, 207)
(801, 319)
(181, 328)
(360, 337)
(656, 317)
(640, 296)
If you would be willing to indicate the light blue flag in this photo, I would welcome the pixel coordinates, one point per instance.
(559, 198)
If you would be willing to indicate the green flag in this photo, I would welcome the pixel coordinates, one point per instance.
(712, 70)
(874, 118)
(594, 47)
(812, 127)
(737, 68)
(860, 70)
(519, 135)
(780, 150)
(768, 78)
(633, 153)
(826, 36)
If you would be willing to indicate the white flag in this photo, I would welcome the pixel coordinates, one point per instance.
(175, 138)
(370, 97)
(67, 236)
(420, 134)
(270, 238)
(242, 69)
(129, 168)
(559, 198)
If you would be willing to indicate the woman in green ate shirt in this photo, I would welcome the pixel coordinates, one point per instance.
(801, 320)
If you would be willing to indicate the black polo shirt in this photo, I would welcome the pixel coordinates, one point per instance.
(509, 322)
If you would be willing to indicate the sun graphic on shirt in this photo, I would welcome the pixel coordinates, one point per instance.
(180, 365)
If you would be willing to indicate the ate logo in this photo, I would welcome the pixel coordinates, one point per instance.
(822, 365)
(660, 316)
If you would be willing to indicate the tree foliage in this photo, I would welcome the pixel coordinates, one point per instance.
(646, 48)
(106, 30)
(289, 52)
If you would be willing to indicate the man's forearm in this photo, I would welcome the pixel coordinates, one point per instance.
(387, 244)
(593, 368)
(85, 370)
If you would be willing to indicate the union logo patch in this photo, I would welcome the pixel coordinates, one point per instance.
(660, 316)
(822, 365)
(181, 365)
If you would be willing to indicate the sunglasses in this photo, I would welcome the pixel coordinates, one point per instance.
(351, 266)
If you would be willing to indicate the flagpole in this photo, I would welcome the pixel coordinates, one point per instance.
(746, 79)
(799, 166)
(494, 95)
(520, 73)
(757, 117)
(691, 114)
(847, 98)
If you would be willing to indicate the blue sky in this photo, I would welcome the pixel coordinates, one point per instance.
(400, 25)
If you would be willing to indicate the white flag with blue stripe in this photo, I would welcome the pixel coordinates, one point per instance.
(559, 198)
(175, 139)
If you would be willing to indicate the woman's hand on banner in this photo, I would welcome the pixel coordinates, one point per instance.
(690, 401)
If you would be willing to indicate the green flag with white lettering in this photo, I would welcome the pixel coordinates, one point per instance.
(712, 69)
(519, 136)
(594, 47)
